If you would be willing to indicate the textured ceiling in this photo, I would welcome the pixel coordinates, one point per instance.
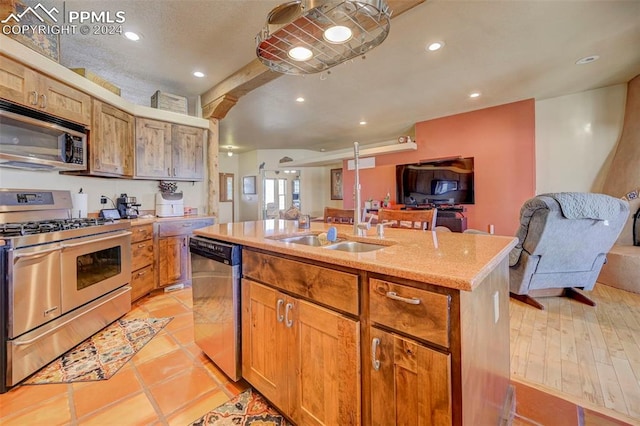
(507, 50)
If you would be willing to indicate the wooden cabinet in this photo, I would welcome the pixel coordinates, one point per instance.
(304, 357)
(110, 141)
(168, 151)
(410, 383)
(174, 262)
(142, 261)
(21, 84)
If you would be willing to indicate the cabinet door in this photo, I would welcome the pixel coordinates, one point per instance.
(153, 148)
(142, 282)
(173, 258)
(187, 152)
(411, 385)
(18, 83)
(265, 341)
(64, 101)
(111, 141)
(327, 374)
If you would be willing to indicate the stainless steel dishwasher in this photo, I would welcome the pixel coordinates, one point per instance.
(215, 269)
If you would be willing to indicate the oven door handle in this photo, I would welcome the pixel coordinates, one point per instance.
(59, 326)
(95, 240)
(34, 255)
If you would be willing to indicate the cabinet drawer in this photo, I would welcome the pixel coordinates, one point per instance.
(141, 254)
(420, 313)
(332, 288)
(181, 227)
(142, 282)
(141, 233)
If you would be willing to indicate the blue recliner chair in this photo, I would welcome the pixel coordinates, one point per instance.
(563, 242)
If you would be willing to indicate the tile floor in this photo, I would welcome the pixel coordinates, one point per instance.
(168, 382)
(171, 382)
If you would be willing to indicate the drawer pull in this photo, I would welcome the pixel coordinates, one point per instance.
(393, 295)
(279, 316)
(289, 308)
(375, 363)
(141, 245)
(141, 273)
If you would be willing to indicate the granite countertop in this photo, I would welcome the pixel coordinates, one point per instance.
(147, 220)
(459, 261)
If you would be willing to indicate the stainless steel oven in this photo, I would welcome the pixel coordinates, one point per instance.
(94, 266)
(65, 279)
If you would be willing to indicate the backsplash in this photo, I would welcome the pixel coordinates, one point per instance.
(144, 190)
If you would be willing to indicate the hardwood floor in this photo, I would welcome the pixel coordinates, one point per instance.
(587, 355)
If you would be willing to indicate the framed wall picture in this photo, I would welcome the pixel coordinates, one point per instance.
(249, 185)
(336, 184)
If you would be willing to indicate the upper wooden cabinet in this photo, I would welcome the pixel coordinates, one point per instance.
(25, 86)
(111, 141)
(168, 151)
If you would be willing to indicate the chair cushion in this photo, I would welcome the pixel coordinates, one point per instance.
(579, 205)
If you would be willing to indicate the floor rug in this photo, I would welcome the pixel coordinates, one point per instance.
(101, 355)
(248, 408)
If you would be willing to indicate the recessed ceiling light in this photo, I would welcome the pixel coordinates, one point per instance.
(198, 74)
(300, 99)
(132, 36)
(362, 123)
(437, 45)
(587, 59)
(474, 95)
(337, 34)
(322, 150)
(229, 154)
(300, 53)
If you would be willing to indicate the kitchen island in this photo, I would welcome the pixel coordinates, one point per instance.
(415, 331)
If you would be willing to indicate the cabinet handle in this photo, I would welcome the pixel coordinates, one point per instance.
(35, 98)
(174, 171)
(141, 273)
(279, 316)
(375, 363)
(141, 245)
(393, 295)
(43, 99)
(288, 322)
(168, 171)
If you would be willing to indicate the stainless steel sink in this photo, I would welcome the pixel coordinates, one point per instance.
(354, 247)
(308, 240)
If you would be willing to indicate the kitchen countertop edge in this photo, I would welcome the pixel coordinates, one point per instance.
(403, 242)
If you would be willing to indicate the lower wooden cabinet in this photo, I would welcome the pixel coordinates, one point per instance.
(410, 383)
(304, 358)
(142, 261)
(174, 261)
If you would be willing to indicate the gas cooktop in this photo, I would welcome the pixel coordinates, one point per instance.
(53, 225)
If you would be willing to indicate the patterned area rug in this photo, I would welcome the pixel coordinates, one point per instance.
(248, 408)
(101, 355)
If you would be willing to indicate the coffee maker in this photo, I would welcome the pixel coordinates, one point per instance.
(127, 206)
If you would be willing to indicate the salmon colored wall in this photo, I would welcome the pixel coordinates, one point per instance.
(502, 141)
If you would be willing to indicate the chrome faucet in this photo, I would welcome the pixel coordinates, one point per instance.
(357, 228)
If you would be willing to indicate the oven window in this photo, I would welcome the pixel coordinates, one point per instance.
(98, 266)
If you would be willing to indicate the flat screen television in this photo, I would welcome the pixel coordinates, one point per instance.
(439, 181)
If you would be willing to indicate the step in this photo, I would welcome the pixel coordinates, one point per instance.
(622, 269)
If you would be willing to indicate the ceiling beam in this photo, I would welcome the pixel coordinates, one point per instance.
(218, 100)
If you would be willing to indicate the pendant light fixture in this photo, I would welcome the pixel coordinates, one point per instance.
(311, 36)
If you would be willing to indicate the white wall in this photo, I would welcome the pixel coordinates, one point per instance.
(576, 137)
(194, 193)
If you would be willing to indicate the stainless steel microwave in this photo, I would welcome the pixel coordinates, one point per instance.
(35, 140)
